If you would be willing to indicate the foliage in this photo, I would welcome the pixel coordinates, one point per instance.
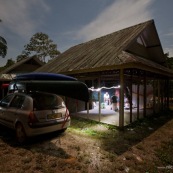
(170, 62)
(20, 57)
(42, 46)
(3, 47)
(8, 64)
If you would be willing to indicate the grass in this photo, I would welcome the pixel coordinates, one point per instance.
(112, 136)
(115, 142)
(91, 128)
(165, 153)
(89, 146)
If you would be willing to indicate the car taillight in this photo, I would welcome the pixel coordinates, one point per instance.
(32, 118)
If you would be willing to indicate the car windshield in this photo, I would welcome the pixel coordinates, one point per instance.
(46, 101)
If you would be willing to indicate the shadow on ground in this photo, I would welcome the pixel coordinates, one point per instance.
(117, 141)
(125, 138)
(40, 144)
(111, 139)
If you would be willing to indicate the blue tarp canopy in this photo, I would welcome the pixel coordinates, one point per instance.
(52, 83)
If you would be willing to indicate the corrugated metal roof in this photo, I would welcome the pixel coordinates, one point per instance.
(100, 54)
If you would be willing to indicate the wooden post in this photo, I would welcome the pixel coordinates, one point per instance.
(138, 87)
(88, 110)
(131, 72)
(154, 97)
(121, 111)
(76, 105)
(168, 91)
(99, 97)
(162, 95)
(159, 97)
(145, 95)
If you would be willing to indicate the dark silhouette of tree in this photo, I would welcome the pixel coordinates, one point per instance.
(41, 46)
(9, 63)
(169, 61)
(3, 46)
(20, 57)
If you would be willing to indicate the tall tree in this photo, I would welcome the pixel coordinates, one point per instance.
(3, 46)
(42, 46)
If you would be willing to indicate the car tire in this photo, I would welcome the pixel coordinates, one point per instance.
(20, 133)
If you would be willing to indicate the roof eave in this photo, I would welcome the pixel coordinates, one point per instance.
(131, 65)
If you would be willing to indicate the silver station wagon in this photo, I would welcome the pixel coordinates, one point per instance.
(33, 114)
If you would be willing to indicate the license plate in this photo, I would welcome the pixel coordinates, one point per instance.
(54, 116)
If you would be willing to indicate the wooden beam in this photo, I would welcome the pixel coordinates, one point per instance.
(153, 46)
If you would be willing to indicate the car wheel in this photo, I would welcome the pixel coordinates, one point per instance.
(20, 133)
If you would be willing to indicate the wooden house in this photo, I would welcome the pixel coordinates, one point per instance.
(131, 58)
(24, 66)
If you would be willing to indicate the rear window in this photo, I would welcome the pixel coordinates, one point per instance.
(17, 101)
(46, 101)
(5, 101)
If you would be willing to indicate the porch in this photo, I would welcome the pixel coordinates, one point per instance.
(109, 116)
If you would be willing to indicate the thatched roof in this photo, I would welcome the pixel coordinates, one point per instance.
(134, 47)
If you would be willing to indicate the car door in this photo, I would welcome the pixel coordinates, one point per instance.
(11, 114)
(4, 104)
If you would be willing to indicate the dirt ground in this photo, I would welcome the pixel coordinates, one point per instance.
(88, 147)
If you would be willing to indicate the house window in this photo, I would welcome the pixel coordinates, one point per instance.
(141, 41)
